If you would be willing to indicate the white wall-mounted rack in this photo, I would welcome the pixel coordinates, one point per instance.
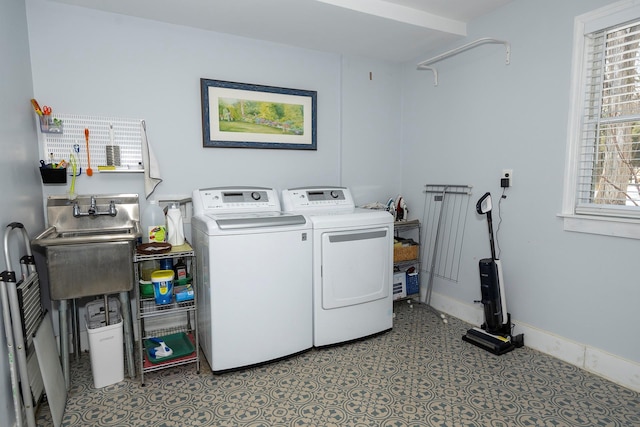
(426, 65)
(127, 135)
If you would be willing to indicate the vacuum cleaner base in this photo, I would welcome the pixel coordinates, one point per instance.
(495, 344)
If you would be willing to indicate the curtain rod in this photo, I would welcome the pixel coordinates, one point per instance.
(425, 65)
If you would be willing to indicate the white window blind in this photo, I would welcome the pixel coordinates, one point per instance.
(608, 163)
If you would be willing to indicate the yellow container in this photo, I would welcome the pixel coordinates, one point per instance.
(162, 286)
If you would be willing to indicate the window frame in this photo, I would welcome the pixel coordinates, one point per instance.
(597, 220)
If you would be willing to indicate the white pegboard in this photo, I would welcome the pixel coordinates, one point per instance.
(127, 133)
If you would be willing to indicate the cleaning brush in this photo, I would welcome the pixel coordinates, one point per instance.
(74, 169)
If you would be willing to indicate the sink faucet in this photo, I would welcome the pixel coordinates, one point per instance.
(112, 208)
(93, 209)
(92, 206)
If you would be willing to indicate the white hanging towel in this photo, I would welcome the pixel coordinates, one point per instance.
(151, 168)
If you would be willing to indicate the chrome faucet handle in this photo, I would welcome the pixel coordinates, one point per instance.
(92, 207)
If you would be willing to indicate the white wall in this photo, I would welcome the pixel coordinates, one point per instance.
(110, 65)
(21, 191)
(486, 116)
(371, 133)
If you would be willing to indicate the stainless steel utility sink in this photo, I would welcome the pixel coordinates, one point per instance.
(90, 244)
(53, 237)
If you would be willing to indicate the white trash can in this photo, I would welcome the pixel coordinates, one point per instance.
(106, 348)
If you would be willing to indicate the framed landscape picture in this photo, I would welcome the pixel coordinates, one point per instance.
(255, 116)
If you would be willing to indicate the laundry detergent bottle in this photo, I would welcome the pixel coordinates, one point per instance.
(175, 227)
(154, 227)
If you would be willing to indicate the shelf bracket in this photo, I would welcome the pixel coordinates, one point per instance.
(425, 65)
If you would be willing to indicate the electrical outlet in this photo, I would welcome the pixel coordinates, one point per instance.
(506, 180)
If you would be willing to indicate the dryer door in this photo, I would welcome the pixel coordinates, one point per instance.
(356, 266)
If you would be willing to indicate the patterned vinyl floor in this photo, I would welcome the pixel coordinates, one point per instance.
(419, 374)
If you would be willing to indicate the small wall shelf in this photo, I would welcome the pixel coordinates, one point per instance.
(425, 65)
(120, 169)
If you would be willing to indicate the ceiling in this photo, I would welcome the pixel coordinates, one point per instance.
(393, 30)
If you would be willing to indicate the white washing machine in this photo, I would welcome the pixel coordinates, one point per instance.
(253, 277)
(352, 264)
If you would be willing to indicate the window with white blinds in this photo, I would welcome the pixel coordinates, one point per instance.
(608, 164)
(602, 172)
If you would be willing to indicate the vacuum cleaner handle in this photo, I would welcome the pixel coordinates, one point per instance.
(484, 207)
(484, 204)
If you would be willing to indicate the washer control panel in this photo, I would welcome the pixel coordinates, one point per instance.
(235, 199)
(317, 198)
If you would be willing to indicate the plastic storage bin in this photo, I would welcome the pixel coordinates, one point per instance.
(405, 250)
(413, 285)
(52, 175)
(50, 124)
(146, 288)
(106, 348)
(399, 285)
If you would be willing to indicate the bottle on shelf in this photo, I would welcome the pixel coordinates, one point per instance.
(153, 224)
(175, 226)
(180, 269)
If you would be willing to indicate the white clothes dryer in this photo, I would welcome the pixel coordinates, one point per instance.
(352, 264)
(253, 277)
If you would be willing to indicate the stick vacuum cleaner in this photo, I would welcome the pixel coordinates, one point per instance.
(495, 334)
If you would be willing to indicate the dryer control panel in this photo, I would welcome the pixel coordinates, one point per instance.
(235, 199)
(317, 198)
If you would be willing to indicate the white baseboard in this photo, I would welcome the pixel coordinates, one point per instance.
(614, 368)
(610, 366)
